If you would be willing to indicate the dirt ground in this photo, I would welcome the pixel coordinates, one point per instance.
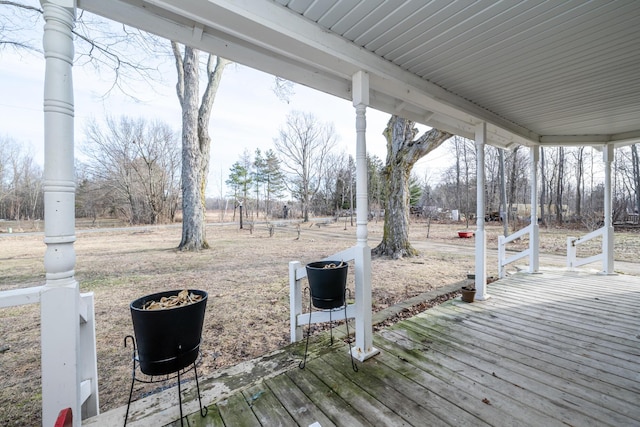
(245, 274)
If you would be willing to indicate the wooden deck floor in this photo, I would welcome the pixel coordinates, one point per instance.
(557, 348)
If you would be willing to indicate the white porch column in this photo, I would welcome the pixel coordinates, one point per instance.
(60, 337)
(607, 237)
(481, 234)
(534, 235)
(364, 329)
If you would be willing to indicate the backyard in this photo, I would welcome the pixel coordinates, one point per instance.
(245, 274)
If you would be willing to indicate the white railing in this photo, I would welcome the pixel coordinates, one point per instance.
(503, 261)
(572, 249)
(297, 272)
(87, 350)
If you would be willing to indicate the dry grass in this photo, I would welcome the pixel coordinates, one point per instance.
(245, 274)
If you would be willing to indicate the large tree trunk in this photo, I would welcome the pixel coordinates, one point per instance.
(196, 142)
(193, 230)
(402, 153)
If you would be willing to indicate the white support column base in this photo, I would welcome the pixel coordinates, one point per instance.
(481, 267)
(363, 347)
(60, 342)
(362, 356)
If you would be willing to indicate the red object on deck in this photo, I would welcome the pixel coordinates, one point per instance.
(65, 418)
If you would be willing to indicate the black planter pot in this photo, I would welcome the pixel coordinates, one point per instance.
(327, 285)
(168, 340)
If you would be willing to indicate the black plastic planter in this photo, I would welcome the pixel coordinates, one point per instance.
(327, 285)
(168, 340)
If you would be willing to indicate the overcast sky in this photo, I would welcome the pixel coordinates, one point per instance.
(246, 113)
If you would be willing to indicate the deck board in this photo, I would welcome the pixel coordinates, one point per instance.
(395, 399)
(549, 391)
(327, 400)
(554, 349)
(266, 407)
(235, 411)
(367, 405)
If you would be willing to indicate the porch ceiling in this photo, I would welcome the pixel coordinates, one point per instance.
(536, 71)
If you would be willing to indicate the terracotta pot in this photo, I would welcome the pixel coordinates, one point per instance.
(468, 294)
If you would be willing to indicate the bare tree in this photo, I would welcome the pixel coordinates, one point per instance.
(403, 151)
(130, 57)
(124, 56)
(196, 141)
(273, 180)
(135, 165)
(20, 182)
(304, 144)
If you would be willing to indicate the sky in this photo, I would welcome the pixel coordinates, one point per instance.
(246, 113)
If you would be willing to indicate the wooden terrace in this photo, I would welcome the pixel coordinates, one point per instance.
(555, 349)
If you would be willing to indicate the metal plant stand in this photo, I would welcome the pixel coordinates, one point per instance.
(152, 379)
(303, 362)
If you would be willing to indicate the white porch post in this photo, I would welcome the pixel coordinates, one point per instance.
(534, 234)
(607, 237)
(481, 234)
(364, 329)
(60, 337)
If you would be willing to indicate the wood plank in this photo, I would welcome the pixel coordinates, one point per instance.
(368, 406)
(529, 356)
(572, 344)
(550, 396)
(602, 300)
(300, 407)
(336, 408)
(406, 363)
(212, 419)
(549, 350)
(408, 409)
(523, 317)
(266, 407)
(578, 325)
(579, 304)
(500, 409)
(518, 387)
(235, 411)
(418, 386)
(613, 293)
(461, 343)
